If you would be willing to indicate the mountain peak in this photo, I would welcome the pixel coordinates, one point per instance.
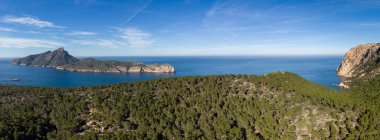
(54, 58)
(60, 49)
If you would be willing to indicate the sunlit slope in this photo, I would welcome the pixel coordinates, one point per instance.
(273, 106)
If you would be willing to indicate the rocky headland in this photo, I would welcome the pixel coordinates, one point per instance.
(359, 63)
(62, 60)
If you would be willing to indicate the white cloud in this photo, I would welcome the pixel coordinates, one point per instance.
(33, 32)
(111, 43)
(7, 42)
(136, 38)
(128, 37)
(101, 43)
(241, 17)
(30, 21)
(5, 29)
(370, 24)
(81, 33)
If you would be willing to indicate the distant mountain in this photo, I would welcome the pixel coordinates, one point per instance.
(360, 63)
(62, 60)
(54, 58)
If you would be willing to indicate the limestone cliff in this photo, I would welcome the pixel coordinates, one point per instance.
(360, 62)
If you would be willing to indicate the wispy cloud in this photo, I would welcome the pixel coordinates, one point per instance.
(5, 29)
(106, 43)
(110, 43)
(170, 27)
(231, 8)
(243, 15)
(7, 42)
(33, 32)
(85, 1)
(136, 38)
(81, 33)
(361, 3)
(135, 13)
(235, 10)
(370, 24)
(26, 20)
(233, 17)
(127, 37)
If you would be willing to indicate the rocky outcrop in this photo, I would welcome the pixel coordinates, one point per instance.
(47, 59)
(148, 68)
(163, 68)
(360, 62)
(61, 60)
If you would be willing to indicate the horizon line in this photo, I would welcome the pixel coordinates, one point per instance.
(211, 55)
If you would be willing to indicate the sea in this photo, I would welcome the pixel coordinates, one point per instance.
(319, 69)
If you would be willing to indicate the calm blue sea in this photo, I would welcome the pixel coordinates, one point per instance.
(320, 69)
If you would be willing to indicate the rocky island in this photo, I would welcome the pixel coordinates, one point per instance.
(359, 63)
(62, 60)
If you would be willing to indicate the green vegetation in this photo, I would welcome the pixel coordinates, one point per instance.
(365, 71)
(273, 106)
(102, 65)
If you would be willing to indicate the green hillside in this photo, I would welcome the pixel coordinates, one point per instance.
(273, 106)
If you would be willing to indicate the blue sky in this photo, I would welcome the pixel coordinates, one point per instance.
(187, 27)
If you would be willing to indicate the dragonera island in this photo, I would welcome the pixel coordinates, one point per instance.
(62, 60)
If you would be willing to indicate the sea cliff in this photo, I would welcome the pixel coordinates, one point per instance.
(361, 62)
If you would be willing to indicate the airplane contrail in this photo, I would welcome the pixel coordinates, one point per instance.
(137, 12)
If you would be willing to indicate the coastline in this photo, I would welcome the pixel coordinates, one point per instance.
(143, 68)
(320, 72)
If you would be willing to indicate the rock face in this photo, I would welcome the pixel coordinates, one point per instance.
(361, 61)
(61, 60)
(47, 59)
(138, 68)
(165, 68)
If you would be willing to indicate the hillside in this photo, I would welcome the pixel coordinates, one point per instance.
(273, 106)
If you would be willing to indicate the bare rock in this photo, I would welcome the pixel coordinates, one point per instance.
(134, 69)
(359, 62)
(158, 68)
